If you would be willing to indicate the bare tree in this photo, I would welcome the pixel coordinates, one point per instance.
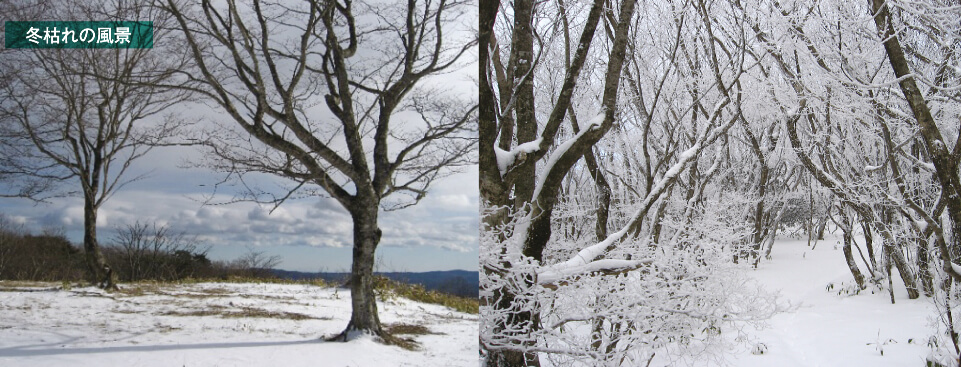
(147, 251)
(332, 95)
(256, 263)
(77, 119)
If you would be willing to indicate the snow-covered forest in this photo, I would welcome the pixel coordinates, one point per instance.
(642, 163)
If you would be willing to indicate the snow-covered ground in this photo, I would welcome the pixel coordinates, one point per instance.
(214, 324)
(832, 329)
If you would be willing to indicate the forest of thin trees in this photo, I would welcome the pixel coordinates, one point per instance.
(634, 152)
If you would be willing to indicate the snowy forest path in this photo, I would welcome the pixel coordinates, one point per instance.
(831, 326)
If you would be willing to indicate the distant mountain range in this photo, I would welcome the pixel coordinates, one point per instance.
(457, 282)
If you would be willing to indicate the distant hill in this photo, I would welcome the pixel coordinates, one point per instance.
(457, 282)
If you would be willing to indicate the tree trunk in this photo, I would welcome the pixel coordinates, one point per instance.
(924, 272)
(869, 242)
(769, 240)
(907, 275)
(822, 224)
(656, 223)
(523, 321)
(896, 258)
(759, 207)
(522, 61)
(98, 272)
(363, 300)
(945, 162)
(848, 256)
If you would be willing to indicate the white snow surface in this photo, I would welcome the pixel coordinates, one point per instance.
(200, 325)
(832, 329)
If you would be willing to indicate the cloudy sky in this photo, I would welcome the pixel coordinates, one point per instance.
(311, 234)
(314, 234)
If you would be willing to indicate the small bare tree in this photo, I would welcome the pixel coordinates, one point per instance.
(146, 251)
(331, 95)
(256, 263)
(76, 119)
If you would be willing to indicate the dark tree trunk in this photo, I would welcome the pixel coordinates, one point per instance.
(849, 258)
(771, 235)
(98, 272)
(603, 190)
(522, 61)
(656, 223)
(924, 272)
(896, 258)
(821, 226)
(945, 161)
(869, 242)
(363, 317)
(493, 189)
(522, 320)
(847, 228)
(907, 275)
(761, 187)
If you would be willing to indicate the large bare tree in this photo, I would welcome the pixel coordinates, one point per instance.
(75, 120)
(335, 96)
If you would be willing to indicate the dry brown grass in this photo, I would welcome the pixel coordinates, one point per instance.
(394, 332)
(26, 283)
(137, 290)
(406, 343)
(389, 288)
(407, 329)
(246, 312)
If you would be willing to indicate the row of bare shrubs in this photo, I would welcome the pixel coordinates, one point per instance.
(137, 252)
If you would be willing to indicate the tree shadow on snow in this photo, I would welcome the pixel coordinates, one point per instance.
(60, 348)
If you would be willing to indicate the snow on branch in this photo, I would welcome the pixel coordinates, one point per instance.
(505, 159)
(550, 275)
(595, 122)
(592, 252)
(588, 254)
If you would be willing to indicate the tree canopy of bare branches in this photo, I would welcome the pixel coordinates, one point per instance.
(75, 120)
(340, 97)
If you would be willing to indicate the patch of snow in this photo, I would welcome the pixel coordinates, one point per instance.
(528, 147)
(211, 324)
(831, 329)
(594, 122)
(921, 226)
(504, 159)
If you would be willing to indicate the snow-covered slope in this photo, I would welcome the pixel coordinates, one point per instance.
(217, 324)
(831, 327)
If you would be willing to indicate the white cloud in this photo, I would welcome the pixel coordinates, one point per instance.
(445, 221)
